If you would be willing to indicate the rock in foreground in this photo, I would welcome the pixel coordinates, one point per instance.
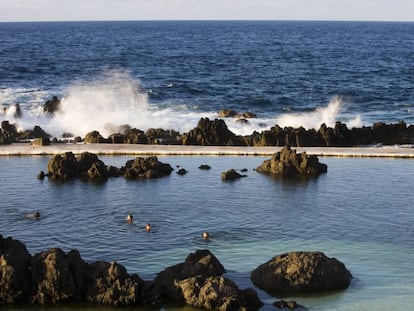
(56, 277)
(301, 273)
(198, 282)
(290, 164)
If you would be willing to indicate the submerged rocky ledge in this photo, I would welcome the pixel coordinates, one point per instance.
(56, 277)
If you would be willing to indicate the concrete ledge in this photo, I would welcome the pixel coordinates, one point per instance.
(26, 149)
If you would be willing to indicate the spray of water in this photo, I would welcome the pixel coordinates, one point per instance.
(314, 119)
(114, 99)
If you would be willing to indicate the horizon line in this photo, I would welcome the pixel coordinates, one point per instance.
(209, 20)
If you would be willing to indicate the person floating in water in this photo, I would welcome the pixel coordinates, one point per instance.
(148, 227)
(130, 218)
(205, 235)
(34, 215)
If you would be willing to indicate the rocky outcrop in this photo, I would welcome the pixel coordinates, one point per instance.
(67, 166)
(87, 165)
(211, 133)
(94, 137)
(217, 293)
(198, 281)
(52, 105)
(58, 277)
(111, 284)
(301, 273)
(146, 168)
(230, 113)
(14, 271)
(161, 136)
(231, 174)
(290, 164)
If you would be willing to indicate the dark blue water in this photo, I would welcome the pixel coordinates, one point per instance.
(269, 68)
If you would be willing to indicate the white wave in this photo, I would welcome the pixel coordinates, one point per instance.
(113, 99)
(313, 120)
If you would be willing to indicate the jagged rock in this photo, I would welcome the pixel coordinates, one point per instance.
(288, 163)
(66, 166)
(8, 133)
(246, 115)
(94, 137)
(161, 136)
(111, 284)
(117, 138)
(41, 175)
(182, 171)
(51, 106)
(14, 271)
(211, 133)
(216, 293)
(135, 136)
(37, 132)
(231, 174)
(301, 273)
(204, 167)
(58, 277)
(146, 168)
(202, 262)
(227, 113)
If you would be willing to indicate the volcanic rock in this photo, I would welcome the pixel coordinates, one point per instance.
(301, 273)
(14, 271)
(288, 163)
(211, 133)
(58, 277)
(111, 284)
(146, 168)
(231, 174)
(52, 105)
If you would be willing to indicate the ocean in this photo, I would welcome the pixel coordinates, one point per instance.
(169, 75)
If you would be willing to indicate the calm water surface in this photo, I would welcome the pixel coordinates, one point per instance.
(359, 212)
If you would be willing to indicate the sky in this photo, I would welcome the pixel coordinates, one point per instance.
(75, 10)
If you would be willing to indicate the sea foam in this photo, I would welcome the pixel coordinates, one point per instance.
(114, 98)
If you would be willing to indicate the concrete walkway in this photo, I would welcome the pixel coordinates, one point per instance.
(25, 149)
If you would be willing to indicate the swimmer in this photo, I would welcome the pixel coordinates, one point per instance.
(205, 235)
(130, 218)
(34, 216)
(148, 227)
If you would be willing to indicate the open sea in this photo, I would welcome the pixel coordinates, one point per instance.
(171, 74)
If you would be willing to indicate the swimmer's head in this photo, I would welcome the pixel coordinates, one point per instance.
(36, 215)
(205, 235)
(148, 227)
(130, 218)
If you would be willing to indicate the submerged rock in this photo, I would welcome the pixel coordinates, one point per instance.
(231, 174)
(288, 163)
(301, 273)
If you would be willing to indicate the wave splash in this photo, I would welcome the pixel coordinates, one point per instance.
(313, 120)
(114, 98)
